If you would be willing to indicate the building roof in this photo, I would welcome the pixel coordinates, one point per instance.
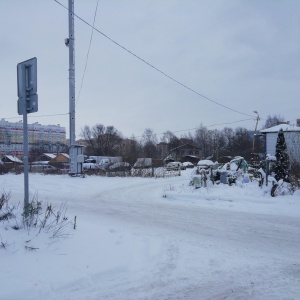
(12, 158)
(50, 155)
(284, 127)
(61, 157)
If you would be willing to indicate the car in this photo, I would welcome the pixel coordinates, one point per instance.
(105, 163)
(42, 168)
(174, 166)
(119, 167)
(188, 164)
(205, 164)
(90, 166)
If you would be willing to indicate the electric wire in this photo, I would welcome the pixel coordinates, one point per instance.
(88, 52)
(50, 115)
(34, 116)
(195, 128)
(181, 130)
(153, 67)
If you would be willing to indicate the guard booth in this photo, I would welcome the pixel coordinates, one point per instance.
(76, 160)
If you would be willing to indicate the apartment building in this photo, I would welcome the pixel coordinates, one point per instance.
(48, 138)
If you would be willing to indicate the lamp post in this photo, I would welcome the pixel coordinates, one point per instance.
(257, 119)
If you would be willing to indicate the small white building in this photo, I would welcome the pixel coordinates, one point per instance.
(292, 139)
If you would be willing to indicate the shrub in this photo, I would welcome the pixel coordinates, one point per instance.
(36, 219)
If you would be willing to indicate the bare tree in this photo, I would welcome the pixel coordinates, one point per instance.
(188, 136)
(229, 136)
(171, 139)
(130, 150)
(218, 143)
(87, 135)
(101, 140)
(203, 140)
(242, 143)
(149, 141)
(34, 151)
(273, 121)
(111, 137)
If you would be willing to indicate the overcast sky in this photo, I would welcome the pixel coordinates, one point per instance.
(242, 54)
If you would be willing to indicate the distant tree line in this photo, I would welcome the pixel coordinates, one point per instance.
(108, 141)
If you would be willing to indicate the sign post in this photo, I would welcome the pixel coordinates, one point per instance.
(27, 103)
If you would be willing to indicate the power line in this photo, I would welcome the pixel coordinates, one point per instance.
(153, 67)
(50, 115)
(34, 116)
(212, 125)
(195, 128)
(87, 56)
(228, 123)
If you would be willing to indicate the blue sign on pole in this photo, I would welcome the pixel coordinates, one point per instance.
(27, 103)
(31, 104)
(27, 86)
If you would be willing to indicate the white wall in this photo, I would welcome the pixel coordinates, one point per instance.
(292, 140)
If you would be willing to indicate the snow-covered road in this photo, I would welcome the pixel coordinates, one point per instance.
(133, 243)
(202, 252)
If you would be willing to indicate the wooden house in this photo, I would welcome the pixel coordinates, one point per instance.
(60, 158)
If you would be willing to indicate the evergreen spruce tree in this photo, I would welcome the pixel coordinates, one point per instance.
(282, 164)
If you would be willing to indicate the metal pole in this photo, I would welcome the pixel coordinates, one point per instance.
(71, 73)
(257, 119)
(25, 138)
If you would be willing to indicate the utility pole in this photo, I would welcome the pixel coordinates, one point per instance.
(257, 119)
(71, 73)
(76, 152)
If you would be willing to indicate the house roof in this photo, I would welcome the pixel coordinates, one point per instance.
(284, 127)
(61, 157)
(191, 156)
(13, 158)
(50, 155)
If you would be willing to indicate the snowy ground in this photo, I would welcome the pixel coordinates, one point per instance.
(140, 238)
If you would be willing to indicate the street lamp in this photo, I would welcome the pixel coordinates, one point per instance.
(257, 119)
